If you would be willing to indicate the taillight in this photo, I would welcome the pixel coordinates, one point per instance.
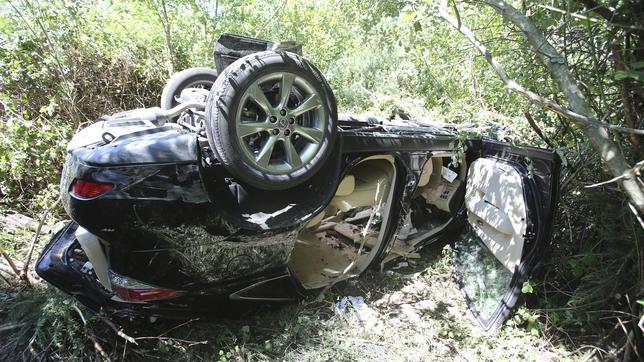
(89, 189)
(132, 290)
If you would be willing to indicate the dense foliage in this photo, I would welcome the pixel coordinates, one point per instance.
(64, 63)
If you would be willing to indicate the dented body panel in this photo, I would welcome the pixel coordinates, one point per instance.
(188, 225)
(161, 228)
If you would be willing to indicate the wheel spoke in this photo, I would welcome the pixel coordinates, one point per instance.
(311, 102)
(285, 88)
(247, 129)
(256, 93)
(266, 152)
(292, 157)
(313, 134)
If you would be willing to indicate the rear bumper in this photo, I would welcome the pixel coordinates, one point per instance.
(55, 267)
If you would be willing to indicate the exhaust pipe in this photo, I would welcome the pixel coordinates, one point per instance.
(154, 114)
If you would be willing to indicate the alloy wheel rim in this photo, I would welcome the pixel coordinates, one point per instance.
(285, 128)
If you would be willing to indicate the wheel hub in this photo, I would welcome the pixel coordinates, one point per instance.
(283, 123)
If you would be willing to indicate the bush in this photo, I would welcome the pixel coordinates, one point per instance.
(63, 64)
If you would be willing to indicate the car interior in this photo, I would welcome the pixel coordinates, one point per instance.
(434, 205)
(341, 241)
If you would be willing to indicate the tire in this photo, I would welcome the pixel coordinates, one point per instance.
(265, 139)
(191, 77)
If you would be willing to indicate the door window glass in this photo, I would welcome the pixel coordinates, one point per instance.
(484, 278)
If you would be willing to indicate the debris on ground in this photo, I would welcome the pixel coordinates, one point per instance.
(355, 306)
(402, 264)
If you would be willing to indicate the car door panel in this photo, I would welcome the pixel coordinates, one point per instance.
(495, 208)
(509, 201)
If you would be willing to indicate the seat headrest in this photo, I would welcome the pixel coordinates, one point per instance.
(347, 185)
(426, 173)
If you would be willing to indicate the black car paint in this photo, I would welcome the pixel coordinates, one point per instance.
(56, 266)
(158, 209)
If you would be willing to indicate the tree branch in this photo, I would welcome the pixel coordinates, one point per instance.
(25, 268)
(578, 111)
(603, 11)
(532, 96)
(536, 129)
(12, 265)
(630, 173)
(590, 18)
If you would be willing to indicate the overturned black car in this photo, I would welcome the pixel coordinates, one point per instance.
(246, 185)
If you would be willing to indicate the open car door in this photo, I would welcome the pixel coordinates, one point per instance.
(510, 197)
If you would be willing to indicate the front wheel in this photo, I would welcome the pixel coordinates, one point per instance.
(271, 119)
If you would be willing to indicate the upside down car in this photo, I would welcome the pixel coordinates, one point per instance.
(246, 185)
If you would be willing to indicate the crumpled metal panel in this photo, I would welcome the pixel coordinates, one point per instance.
(208, 252)
(212, 258)
(158, 145)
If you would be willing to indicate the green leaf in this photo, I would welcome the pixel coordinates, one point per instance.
(5, 24)
(623, 74)
(527, 288)
(562, 156)
(637, 65)
(408, 16)
(418, 26)
(534, 331)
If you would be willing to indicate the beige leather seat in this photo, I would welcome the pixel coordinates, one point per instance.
(364, 187)
(369, 182)
(431, 175)
(346, 187)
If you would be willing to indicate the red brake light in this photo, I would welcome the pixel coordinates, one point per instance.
(89, 189)
(132, 290)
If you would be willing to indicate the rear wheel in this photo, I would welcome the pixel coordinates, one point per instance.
(189, 84)
(271, 119)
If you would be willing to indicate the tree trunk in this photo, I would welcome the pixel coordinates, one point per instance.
(167, 30)
(597, 135)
